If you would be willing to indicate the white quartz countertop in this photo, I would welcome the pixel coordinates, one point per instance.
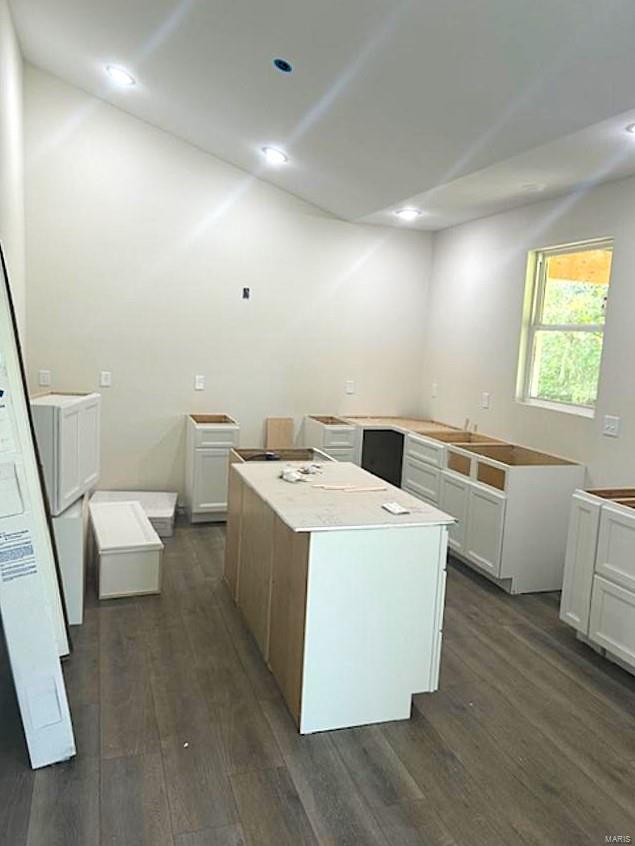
(306, 508)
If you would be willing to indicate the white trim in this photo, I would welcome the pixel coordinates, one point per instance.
(565, 407)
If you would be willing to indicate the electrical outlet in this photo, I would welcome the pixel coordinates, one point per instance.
(485, 399)
(611, 426)
(199, 382)
(349, 386)
(44, 378)
(105, 379)
(435, 390)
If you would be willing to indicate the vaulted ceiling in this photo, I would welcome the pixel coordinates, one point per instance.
(460, 107)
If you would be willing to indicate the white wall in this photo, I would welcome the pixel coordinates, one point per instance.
(474, 321)
(138, 248)
(11, 160)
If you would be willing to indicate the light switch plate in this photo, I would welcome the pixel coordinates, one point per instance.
(199, 382)
(485, 399)
(349, 386)
(611, 426)
(105, 379)
(435, 390)
(44, 378)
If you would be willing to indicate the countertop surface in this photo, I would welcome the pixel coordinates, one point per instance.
(307, 508)
(402, 424)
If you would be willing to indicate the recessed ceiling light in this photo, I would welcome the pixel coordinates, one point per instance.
(120, 75)
(630, 128)
(533, 187)
(407, 214)
(274, 156)
(282, 65)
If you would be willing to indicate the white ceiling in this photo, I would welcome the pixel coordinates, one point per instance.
(451, 105)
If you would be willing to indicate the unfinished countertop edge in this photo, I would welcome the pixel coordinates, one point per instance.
(430, 518)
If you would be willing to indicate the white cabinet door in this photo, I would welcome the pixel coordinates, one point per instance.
(210, 480)
(69, 481)
(582, 542)
(612, 620)
(421, 479)
(453, 499)
(485, 521)
(89, 443)
(616, 546)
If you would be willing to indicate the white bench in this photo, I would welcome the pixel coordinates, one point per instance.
(129, 551)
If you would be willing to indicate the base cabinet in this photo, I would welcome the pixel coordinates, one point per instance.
(598, 597)
(210, 438)
(453, 499)
(485, 521)
(421, 480)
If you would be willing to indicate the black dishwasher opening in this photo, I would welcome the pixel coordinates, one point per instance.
(382, 454)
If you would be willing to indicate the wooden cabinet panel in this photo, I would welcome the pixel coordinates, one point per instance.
(612, 619)
(232, 536)
(256, 549)
(582, 542)
(288, 612)
(453, 499)
(616, 546)
(485, 520)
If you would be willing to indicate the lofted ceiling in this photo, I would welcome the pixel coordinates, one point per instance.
(460, 107)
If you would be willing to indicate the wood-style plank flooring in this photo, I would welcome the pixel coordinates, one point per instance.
(184, 741)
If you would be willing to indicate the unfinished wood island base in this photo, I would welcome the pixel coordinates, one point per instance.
(344, 599)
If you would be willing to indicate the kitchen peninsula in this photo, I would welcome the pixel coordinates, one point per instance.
(344, 599)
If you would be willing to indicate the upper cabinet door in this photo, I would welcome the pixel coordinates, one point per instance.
(89, 442)
(582, 542)
(69, 481)
(210, 480)
(453, 499)
(485, 521)
(616, 546)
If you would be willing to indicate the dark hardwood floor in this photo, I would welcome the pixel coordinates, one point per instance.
(183, 739)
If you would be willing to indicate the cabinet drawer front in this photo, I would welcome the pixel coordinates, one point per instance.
(340, 453)
(612, 622)
(582, 541)
(338, 436)
(421, 479)
(453, 499)
(215, 436)
(616, 547)
(421, 449)
(485, 522)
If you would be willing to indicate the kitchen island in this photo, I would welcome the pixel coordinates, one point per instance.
(344, 599)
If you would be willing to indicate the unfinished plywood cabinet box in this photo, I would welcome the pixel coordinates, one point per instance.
(511, 506)
(210, 437)
(598, 594)
(67, 432)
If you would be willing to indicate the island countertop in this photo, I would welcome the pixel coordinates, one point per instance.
(307, 508)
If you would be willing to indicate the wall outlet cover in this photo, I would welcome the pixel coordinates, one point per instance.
(349, 386)
(105, 379)
(485, 399)
(44, 378)
(199, 382)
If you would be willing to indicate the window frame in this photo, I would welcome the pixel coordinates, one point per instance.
(535, 287)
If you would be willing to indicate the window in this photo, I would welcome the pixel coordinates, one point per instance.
(563, 329)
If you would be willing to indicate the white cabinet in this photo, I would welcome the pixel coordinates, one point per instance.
(616, 546)
(580, 561)
(210, 437)
(334, 436)
(512, 505)
(612, 621)
(421, 479)
(453, 499)
(485, 521)
(598, 598)
(67, 432)
(69, 529)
